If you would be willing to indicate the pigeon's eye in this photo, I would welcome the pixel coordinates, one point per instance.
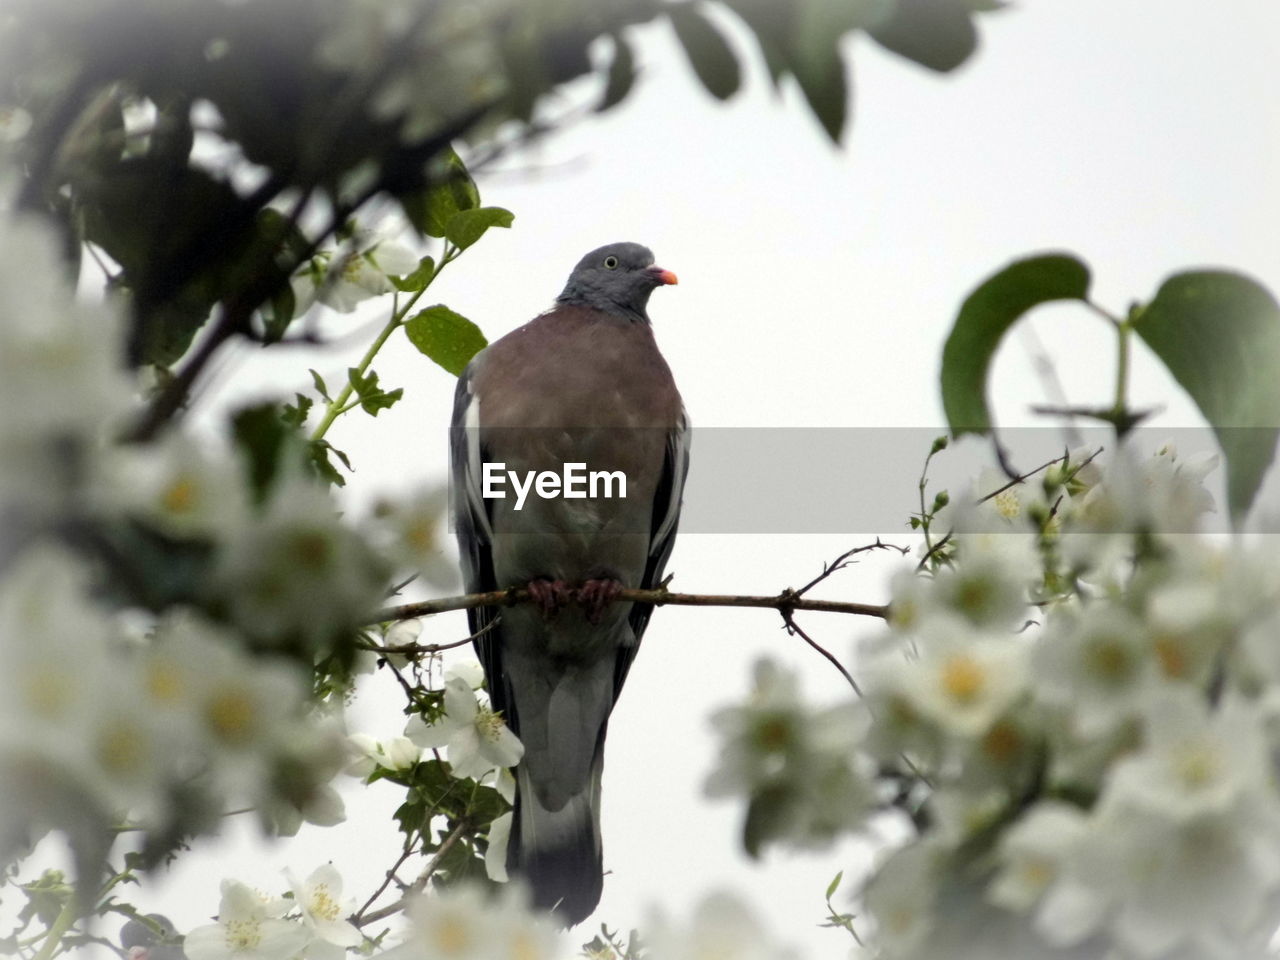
(611, 263)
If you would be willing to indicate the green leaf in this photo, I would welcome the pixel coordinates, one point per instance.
(825, 85)
(709, 54)
(448, 338)
(295, 415)
(1218, 333)
(419, 279)
(938, 34)
(622, 73)
(834, 884)
(373, 399)
(318, 452)
(468, 226)
(262, 434)
(451, 191)
(984, 318)
(320, 387)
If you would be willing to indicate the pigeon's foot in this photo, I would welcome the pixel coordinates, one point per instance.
(595, 595)
(550, 595)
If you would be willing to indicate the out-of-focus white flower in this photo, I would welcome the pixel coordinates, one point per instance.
(249, 927)
(411, 532)
(721, 926)
(960, 680)
(62, 373)
(396, 753)
(798, 765)
(1032, 853)
(345, 278)
(324, 911)
(459, 923)
(297, 572)
(1093, 665)
(495, 857)
(477, 738)
(1179, 852)
(901, 897)
(178, 488)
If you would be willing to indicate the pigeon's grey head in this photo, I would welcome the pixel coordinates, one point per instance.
(617, 279)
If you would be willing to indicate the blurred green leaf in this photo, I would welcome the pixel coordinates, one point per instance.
(1218, 333)
(448, 338)
(468, 226)
(938, 34)
(984, 318)
(710, 55)
(451, 191)
(295, 415)
(834, 885)
(262, 434)
(622, 73)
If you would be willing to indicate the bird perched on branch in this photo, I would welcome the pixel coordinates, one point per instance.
(582, 383)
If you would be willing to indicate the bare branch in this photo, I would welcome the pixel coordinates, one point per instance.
(661, 597)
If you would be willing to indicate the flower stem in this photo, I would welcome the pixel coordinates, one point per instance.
(341, 403)
(61, 924)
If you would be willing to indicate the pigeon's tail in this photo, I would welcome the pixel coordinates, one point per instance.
(558, 852)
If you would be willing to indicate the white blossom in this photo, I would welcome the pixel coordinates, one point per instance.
(459, 923)
(477, 738)
(297, 572)
(249, 927)
(324, 911)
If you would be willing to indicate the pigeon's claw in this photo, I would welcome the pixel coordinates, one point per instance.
(549, 596)
(595, 595)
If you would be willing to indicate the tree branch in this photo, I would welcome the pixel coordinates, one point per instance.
(789, 600)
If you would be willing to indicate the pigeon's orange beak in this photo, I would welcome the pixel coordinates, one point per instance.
(662, 276)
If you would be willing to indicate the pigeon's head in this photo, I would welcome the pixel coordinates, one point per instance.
(617, 279)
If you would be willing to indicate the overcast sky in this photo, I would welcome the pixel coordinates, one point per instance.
(816, 287)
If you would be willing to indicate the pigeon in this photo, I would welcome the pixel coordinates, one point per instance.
(581, 386)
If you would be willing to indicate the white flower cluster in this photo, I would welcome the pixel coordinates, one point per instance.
(1077, 711)
(169, 728)
(168, 721)
(797, 765)
(1095, 773)
(311, 922)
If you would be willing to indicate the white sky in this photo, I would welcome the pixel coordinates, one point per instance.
(816, 287)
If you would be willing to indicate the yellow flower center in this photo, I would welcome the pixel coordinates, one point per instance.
(164, 682)
(120, 749)
(963, 679)
(453, 936)
(1196, 766)
(1108, 658)
(243, 934)
(232, 715)
(181, 496)
(322, 903)
(1171, 657)
(1007, 504)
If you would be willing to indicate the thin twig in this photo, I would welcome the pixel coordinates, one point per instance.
(842, 561)
(794, 629)
(391, 875)
(421, 883)
(425, 649)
